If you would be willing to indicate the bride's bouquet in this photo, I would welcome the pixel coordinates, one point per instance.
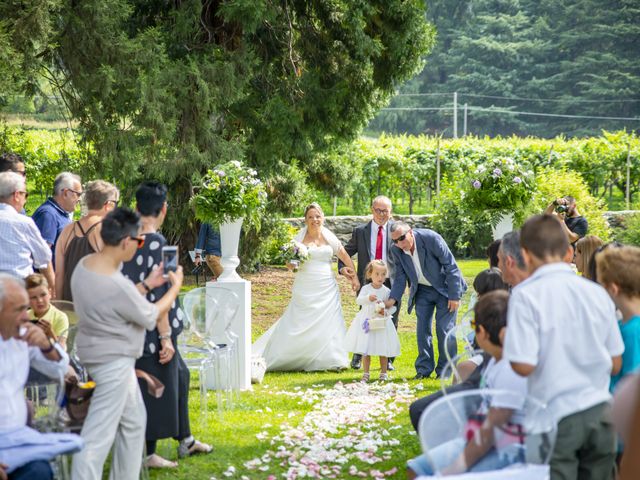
(295, 253)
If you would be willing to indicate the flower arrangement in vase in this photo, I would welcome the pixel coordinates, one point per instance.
(500, 187)
(228, 193)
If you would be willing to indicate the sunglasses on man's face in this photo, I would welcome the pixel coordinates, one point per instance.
(401, 238)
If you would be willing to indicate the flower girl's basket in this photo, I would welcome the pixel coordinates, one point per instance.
(379, 319)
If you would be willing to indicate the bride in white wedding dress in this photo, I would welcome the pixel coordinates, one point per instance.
(310, 334)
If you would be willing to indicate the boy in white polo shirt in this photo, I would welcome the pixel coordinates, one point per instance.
(563, 336)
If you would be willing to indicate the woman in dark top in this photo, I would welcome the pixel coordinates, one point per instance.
(82, 238)
(167, 416)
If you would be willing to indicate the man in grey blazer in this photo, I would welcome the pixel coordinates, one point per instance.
(423, 259)
(371, 240)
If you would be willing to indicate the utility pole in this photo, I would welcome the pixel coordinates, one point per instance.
(438, 169)
(455, 114)
(628, 175)
(464, 123)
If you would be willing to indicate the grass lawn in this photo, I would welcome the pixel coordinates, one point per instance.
(355, 430)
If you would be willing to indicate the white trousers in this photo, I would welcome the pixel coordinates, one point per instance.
(116, 417)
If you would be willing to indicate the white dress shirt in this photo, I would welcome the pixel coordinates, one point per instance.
(374, 240)
(422, 280)
(15, 358)
(21, 243)
(566, 326)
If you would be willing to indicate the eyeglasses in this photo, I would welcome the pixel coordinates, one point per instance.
(77, 193)
(115, 202)
(473, 324)
(26, 194)
(381, 212)
(21, 172)
(401, 238)
(140, 241)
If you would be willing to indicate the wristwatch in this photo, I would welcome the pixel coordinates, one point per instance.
(52, 345)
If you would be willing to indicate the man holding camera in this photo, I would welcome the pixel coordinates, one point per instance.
(575, 225)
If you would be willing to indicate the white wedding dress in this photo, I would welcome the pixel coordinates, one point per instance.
(310, 334)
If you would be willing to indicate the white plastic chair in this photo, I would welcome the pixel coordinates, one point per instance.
(452, 421)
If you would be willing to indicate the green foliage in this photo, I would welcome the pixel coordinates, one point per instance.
(467, 231)
(629, 234)
(526, 50)
(551, 184)
(263, 247)
(47, 153)
(228, 193)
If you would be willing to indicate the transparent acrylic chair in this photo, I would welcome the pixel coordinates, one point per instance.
(197, 352)
(522, 446)
(460, 367)
(45, 399)
(462, 334)
(221, 335)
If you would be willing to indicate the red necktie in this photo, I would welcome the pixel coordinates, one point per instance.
(379, 244)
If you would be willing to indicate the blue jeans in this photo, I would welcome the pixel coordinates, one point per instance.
(444, 455)
(427, 300)
(36, 470)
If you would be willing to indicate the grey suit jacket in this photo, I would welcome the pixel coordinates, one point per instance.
(438, 265)
(360, 243)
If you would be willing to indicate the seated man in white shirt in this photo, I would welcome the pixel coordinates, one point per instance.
(24, 452)
(23, 247)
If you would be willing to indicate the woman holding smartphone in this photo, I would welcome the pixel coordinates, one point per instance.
(168, 416)
(113, 317)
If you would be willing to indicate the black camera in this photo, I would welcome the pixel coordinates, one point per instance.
(562, 208)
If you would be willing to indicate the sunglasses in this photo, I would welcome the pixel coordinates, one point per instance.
(400, 238)
(381, 212)
(26, 194)
(140, 241)
(77, 193)
(115, 202)
(473, 324)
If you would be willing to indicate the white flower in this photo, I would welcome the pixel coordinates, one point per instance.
(236, 163)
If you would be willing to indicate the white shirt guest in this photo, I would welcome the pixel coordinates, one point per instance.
(23, 247)
(23, 345)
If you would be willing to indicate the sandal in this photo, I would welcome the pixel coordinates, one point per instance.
(365, 377)
(156, 461)
(194, 448)
(383, 377)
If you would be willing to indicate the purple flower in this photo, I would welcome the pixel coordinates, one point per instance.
(497, 172)
(476, 184)
(517, 180)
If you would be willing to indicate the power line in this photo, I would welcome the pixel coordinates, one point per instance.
(418, 108)
(522, 99)
(509, 112)
(540, 114)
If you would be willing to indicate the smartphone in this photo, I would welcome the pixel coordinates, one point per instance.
(169, 259)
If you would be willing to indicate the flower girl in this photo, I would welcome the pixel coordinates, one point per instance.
(372, 331)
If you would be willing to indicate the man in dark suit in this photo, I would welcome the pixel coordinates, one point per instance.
(423, 259)
(371, 241)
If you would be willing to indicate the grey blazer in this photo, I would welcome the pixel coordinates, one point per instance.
(438, 265)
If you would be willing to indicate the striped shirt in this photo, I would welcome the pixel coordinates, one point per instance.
(21, 244)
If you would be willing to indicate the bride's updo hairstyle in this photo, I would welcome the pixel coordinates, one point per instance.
(312, 206)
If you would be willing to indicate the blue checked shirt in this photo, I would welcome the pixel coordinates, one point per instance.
(21, 245)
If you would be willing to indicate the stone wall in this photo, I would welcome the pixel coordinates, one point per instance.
(343, 226)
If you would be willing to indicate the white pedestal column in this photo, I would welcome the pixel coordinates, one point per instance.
(241, 326)
(505, 225)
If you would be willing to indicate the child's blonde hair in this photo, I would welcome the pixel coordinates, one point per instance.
(371, 265)
(620, 266)
(36, 280)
